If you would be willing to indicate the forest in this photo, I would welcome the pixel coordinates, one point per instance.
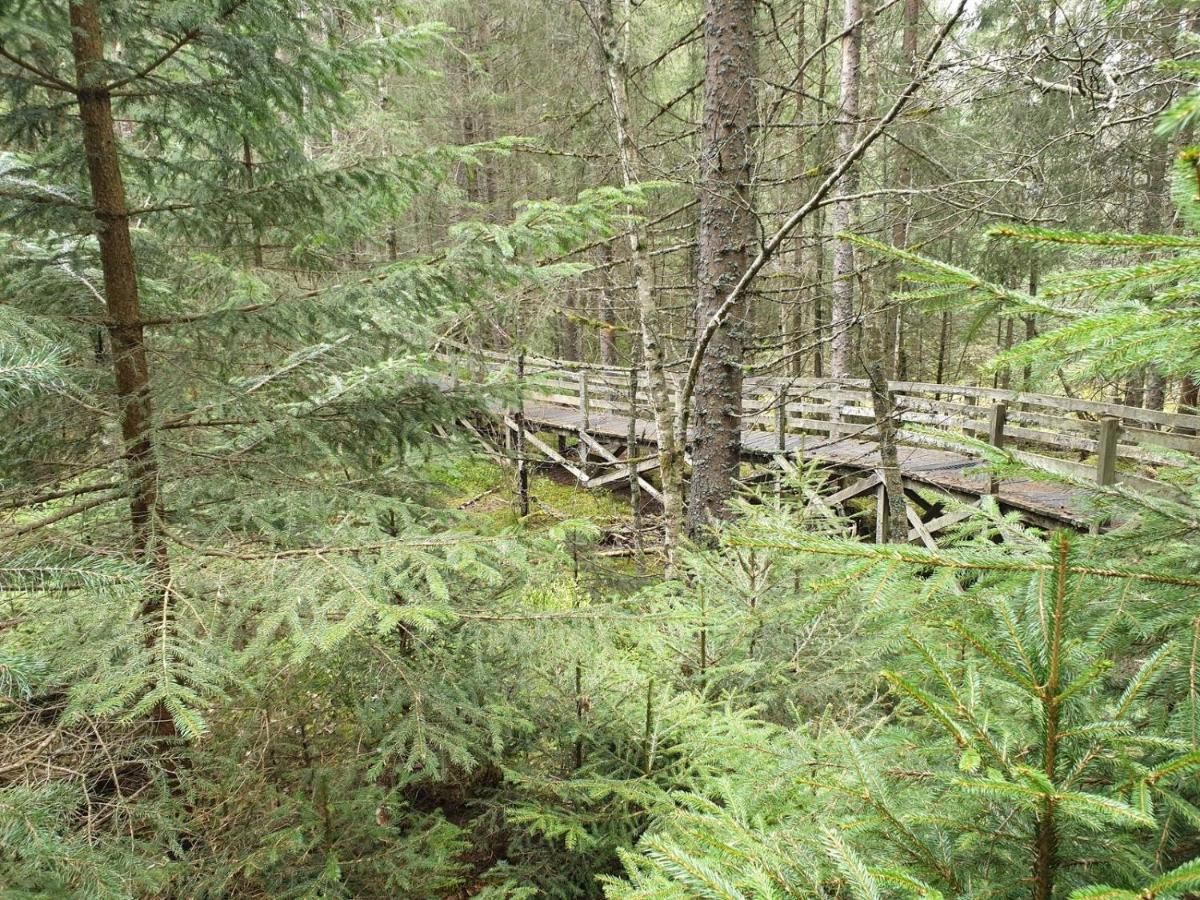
(505, 449)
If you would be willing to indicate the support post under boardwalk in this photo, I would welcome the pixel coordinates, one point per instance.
(522, 461)
(632, 451)
(585, 411)
(781, 400)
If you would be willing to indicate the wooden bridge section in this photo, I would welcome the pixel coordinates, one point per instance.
(595, 423)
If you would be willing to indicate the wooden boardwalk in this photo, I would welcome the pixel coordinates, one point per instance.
(588, 410)
(943, 470)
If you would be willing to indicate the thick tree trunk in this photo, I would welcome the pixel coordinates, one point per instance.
(670, 453)
(726, 231)
(131, 370)
(842, 318)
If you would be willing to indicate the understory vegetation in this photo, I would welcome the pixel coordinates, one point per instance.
(277, 618)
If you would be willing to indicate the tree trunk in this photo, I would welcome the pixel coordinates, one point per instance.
(1189, 399)
(884, 405)
(726, 231)
(842, 318)
(608, 315)
(670, 454)
(569, 337)
(131, 370)
(892, 319)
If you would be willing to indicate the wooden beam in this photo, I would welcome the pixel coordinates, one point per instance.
(645, 465)
(549, 451)
(918, 528)
(487, 446)
(610, 457)
(815, 501)
(859, 487)
(944, 521)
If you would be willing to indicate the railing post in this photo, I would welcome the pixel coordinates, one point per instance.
(1106, 451)
(585, 426)
(781, 400)
(585, 403)
(997, 417)
(522, 463)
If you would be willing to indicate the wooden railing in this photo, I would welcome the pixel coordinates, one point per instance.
(1084, 439)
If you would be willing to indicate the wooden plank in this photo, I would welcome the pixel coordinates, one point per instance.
(604, 451)
(815, 501)
(549, 451)
(859, 487)
(945, 521)
(918, 528)
(645, 465)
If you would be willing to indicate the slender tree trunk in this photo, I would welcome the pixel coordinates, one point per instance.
(614, 43)
(819, 333)
(893, 321)
(884, 406)
(608, 314)
(726, 231)
(1030, 320)
(791, 315)
(842, 318)
(1152, 222)
(569, 337)
(1189, 399)
(248, 165)
(126, 338)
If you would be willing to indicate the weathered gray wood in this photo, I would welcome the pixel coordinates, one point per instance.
(944, 521)
(611, 457)
(997, 416)
(646, 465)
(1106, 453)
(833, 420)
(918, 528)
(549, 451)
(859, 487)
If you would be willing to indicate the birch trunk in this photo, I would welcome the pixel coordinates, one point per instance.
(842, 317)
(614, 44)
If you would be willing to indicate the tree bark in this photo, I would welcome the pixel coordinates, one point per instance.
(670, 452)
(893, 321)
(127, 341)
(884, 406)
(608, 314)
(842, 318)
(131, 369)
(726, 231)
